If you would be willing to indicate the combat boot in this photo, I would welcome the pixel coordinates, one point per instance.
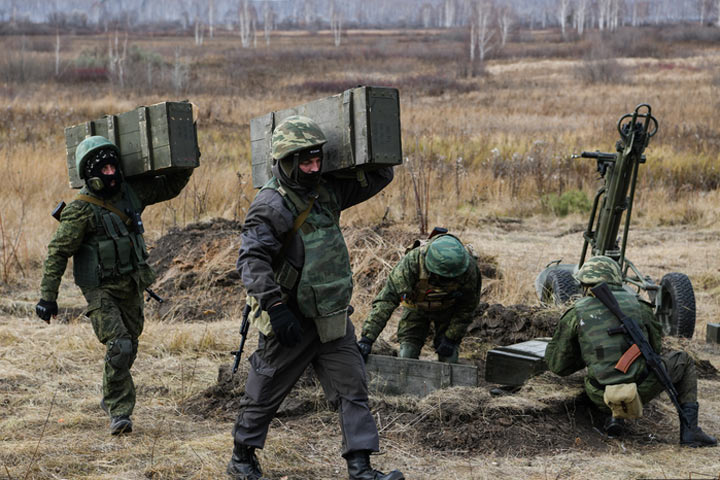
(120, 424)
(244, 464)
(691, 435)
(614, 427)
(359, 468)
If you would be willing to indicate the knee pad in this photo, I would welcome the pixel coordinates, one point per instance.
(408, 350)
(120, 353)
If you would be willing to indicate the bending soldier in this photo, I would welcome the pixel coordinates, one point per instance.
(585, 337)
(296, 268)
(438, 283)
(102, 230)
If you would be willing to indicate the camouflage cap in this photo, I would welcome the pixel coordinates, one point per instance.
(294, 134)
(88, 146)
(599, 269)
(446, 256)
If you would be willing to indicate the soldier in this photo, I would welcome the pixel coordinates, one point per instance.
(295, 266)
(102, 230)
(438, 283)
(582, 339)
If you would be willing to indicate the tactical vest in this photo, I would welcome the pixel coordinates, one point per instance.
(429, 297)
(324, 285)
(114, 249)
(601, 351)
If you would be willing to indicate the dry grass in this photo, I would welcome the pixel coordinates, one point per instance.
(491, 147)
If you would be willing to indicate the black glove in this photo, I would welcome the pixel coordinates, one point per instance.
(45, 309)
(445, 348)
(286, 327)
(365, 347)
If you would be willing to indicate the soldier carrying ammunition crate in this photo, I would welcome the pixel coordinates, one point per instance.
(103, 232)
(438, 283)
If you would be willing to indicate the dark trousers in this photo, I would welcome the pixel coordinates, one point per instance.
(275, 370)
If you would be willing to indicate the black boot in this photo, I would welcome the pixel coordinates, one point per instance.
(244, 464)
(691, 435)
(120, 425)
(614, 427)
(359, 468)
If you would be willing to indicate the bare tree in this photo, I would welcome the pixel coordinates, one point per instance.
(268, 20)
(481, 33)
(505, 22)
(247, 23)
(580, 14)
(57, 52)
(211, 16)
(717, 9)
(199, 31)
(336, 22)
(449, 7)
(116, 60)
(563, 8)
(426, 14)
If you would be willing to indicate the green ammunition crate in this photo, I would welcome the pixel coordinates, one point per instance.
(362, 126)
(713, 333)
(152, 140)
(514, 364)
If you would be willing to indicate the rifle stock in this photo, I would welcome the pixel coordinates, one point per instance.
(632, 329)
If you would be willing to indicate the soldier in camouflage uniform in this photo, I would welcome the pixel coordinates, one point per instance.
(582, 339)
(101, 229)
(296, 269)
(437, 283)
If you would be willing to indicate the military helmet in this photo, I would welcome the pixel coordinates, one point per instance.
(446, 256)
(599, 269)
(294, 134)
(88, 146)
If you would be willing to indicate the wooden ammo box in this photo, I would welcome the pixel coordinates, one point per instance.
(157, 139)
(394, 375)
(362, 126)
(514, 364)
(713, 333)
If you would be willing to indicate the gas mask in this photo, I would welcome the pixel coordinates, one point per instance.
(103, 184)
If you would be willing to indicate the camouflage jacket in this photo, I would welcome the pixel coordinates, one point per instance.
(402, 281)
(564, 354)
(76, 223)
(270, 219)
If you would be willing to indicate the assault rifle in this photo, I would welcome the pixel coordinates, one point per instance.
(244, 326)
(57, 211)
(632, 329)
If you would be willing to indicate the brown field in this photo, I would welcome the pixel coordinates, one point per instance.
(489, 152)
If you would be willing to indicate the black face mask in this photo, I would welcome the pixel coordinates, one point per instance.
(291, 167)
(98, 182)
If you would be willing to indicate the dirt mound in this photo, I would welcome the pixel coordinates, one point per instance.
(505, 325)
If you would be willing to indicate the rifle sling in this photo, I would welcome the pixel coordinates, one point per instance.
(106, 206)
(299, 221)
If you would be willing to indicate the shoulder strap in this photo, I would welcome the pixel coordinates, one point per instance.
(106, 206)
(299, 221)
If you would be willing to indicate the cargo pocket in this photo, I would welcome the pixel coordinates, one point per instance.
(86, 268)
(106, 249)
(332, 296)
(124, 250)
(260, 383)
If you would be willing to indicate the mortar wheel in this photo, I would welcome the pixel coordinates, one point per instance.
(677, 311)
(559, 287)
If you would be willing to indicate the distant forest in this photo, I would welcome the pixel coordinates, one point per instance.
(210, 15)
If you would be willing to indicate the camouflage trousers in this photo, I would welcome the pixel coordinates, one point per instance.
(413, 330)
(681, 368)
(117, 322)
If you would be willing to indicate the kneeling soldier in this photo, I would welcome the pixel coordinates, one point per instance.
(438, 283)
(102, 230)
(589, 334)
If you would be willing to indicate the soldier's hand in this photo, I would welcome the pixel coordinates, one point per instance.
(445, 348)
(365, 347)
(286, 327)
(45, 310)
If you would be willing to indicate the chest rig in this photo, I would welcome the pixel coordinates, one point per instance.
(426, 295)
(323, 287)
(116, 246)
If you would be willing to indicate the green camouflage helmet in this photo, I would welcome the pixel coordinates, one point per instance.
(446, 256)
(88, 146)
(599, 269)
(294, 134)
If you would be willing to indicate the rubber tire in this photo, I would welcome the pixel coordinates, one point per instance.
(678, 305)
(560, 286)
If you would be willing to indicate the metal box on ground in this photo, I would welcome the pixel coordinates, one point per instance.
(157, 138)
(713, 333)
(514, 364)
(394, 375)
(362, 126)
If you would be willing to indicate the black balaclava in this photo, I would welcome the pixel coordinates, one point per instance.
(290, 167)
(98, 182)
